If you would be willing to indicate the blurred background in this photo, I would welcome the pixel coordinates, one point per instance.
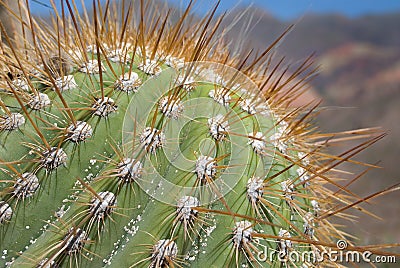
(357, 44)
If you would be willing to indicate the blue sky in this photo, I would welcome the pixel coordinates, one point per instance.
(284, 9)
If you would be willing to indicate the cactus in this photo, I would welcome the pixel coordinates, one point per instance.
(144, 142)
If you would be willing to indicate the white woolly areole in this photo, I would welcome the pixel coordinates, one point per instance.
(174, 62)
(26, 185)
(220, 95)
(254, 105)
(304, 158)
(141, 53)
(44, 264)
(315, 205)
(53, 158)
(218, 127)
(284, 245)
(287, 188)
(129, 169)
(257, 142)
(93, 48)
(66, 83)
(152, 139)
(283, 126)
(39, 101)
(37, 71)
(5, 212)
(163, 253)
(171, 106)
(309, 224)
(80, 131)
(242, 233)
(185, 206)
(105, 106)
(100, 208)
(119, 55)
(91, 67)
(75, 240)
(278, 142)
(20, 84)
(264, 110)
(303, 176)
(150, 67)
(12, 121)
(255, 188)
(128, 82)
(248, 106)
(279, 137)
(186, 82)
(205, 168)
(210, 74)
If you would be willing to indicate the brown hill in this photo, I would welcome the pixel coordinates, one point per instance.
(367, 79)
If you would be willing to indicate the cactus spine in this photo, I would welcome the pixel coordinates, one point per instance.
(144, 143)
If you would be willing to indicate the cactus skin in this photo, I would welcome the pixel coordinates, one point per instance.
(81, 166)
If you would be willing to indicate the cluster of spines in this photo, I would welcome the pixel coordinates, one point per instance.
(152, 139)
